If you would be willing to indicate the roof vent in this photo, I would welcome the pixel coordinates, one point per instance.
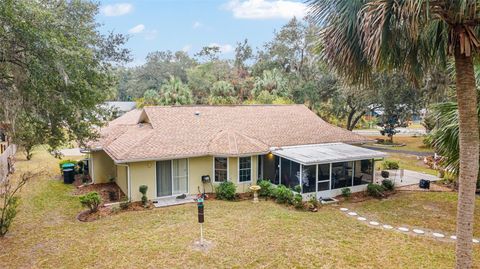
(197, 113)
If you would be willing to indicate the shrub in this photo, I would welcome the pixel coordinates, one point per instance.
(346, 192)
(298, 201)
(385, 174)
(283, 194)
(390, 165)
(375, 190)
(266, 188)
(226, 191)
(314, 201)
(388, 184)
(297, 188)
(9, 201)
(143, 190)
(91, 200)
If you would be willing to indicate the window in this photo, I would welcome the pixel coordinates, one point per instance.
(342, 175)
(221, 169)
(244, 169)
(363, 172)
(323, 177)
(309, 178)
(290, 173)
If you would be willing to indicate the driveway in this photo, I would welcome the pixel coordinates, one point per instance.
(409, 177)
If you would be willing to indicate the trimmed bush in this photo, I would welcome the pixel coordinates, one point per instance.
(375, 190)
(388, 184)
(266, 188)
(390, 165)
(226, 191)
(283, 194)
(298, 201)
(143, 190)
(346, 192)
(297, 188)
(92, 200)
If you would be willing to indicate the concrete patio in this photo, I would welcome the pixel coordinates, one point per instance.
(171, 201)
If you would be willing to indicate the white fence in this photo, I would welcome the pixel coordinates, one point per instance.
(6, 162)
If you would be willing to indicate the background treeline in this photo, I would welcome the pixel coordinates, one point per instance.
(288, 69)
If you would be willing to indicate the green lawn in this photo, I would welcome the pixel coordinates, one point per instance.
(412, 143)
(435, 210)
(46, 234)
(410, 162)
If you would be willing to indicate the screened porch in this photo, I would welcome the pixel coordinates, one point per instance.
(320, 169)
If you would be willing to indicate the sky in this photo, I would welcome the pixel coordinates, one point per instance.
(189, 25)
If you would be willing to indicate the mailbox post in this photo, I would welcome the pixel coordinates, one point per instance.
(201, 218)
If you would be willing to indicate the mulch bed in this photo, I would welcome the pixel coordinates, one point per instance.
(105, 211)
(103, 189)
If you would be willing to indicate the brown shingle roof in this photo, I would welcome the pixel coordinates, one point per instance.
(186, 131)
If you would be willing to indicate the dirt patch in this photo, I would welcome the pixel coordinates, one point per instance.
(110, 192)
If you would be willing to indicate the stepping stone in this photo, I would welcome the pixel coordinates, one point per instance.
(454, 237)
(439, 235)
(343, 209)
(418, 231)
(361, 218)
(475, 241)
(403, 229)
(352, 214)
(374, 223)
(388, 227)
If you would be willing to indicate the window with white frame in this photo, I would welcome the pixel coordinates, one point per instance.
(244, 169)
(221, 169)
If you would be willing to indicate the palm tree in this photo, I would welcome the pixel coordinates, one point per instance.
(413, 35)
(174, 92)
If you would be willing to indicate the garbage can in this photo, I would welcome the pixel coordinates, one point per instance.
(68, 176)
(424, 184)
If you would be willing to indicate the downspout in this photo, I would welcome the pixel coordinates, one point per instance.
(129, 184)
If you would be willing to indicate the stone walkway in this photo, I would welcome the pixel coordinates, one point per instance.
(404, 229)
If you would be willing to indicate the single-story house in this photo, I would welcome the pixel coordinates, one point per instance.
(178, 150)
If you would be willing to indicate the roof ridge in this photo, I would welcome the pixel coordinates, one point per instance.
(148, 136)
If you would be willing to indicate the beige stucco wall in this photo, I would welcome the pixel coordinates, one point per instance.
(103, 167)
(143, 173)
(122, 180)
(198, 167)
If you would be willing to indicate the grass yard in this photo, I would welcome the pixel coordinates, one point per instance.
(410, 162)
(434, 210)
(412, 143)
(246, 235)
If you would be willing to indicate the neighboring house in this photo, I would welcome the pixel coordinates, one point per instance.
(172, 148)
(121, 107)
(7, 151)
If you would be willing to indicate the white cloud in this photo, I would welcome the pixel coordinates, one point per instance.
(197, 24)
(137, 29)
(116, 9)
(187, 48)
(266, 9)
(224, 48)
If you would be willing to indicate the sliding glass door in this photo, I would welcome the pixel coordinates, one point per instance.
(180, 176)
(164, 178)
(172, 177)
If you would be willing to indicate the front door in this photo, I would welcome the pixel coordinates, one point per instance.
(164, 178)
